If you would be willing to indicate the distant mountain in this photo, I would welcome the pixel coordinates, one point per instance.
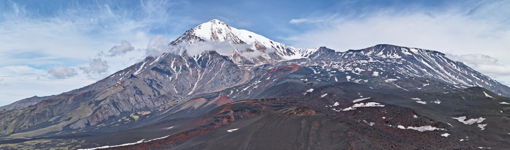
(398, 62)
(23, 103)
(257, 91)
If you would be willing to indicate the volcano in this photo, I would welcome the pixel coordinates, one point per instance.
(256, 93)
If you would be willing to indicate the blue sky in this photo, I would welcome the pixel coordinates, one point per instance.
(49, 47)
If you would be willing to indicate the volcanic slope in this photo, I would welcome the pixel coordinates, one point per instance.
(166, 80)
(375, 118)
(335, 116)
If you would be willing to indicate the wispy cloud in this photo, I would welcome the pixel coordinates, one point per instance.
(42, 39)
(305, 20)
(79, 32)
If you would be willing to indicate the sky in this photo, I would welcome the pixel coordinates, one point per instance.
(54, 46)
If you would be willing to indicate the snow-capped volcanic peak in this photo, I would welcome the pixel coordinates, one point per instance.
(217, 31)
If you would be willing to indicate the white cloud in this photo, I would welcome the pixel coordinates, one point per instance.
(61, 72)
(123, 48)
(96, 66)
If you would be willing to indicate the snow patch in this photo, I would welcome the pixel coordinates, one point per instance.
(375, 73)
(487, 95)
(369, 123)
(414, 50)
(139, 69)
(437, 102)
(308, 91)
(482, 126)
(353, 107)
(404, 50)
(505, 103)
(445, 134)
(421, 102)
(421, 128)
(232, 130)
(112, 146)
(416, 99)
(390, 80)
(324, 95)
(424, 128)
(470, 121)
(360, 99)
